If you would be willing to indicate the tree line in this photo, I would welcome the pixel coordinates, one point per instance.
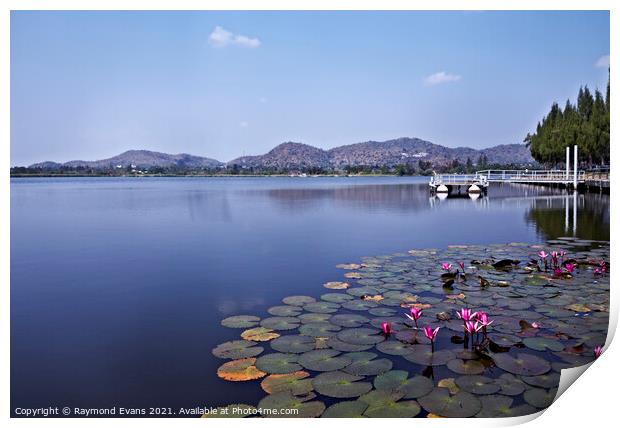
(585, 124)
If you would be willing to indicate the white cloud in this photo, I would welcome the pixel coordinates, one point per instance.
(221, 38)
(603, 62)
(441, 77)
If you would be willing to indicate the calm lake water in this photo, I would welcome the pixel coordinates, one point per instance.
(118, 286)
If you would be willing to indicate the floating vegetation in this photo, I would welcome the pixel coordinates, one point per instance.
(465, 331)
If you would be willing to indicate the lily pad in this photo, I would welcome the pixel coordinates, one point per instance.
(346, 409)
(549, 380)
(348, 320)
(311, 317)
(324, 360)
(337, 285)
(366, 364)
(500, 406)
(241, 321)
(543, 343)
(423, 355)
(340, 385)
(280, 323)
(322, 307)
(285, 311)
(240, 370)
(295, 344)
(335, 343)
(348, 266)
(297, 383)
(523, 364)
(359, 305)
(385, 404)
(237, 349)
(399, 381)
(510, 384)
(336, 297)
(319, 329)
(395, 347)
(540, 398)
(459, 405)
(478, 384)
(360, 336)
(278, 363)
(382, 312)
(466, 367)
(298, 300)
(259, 334)
(275, 403)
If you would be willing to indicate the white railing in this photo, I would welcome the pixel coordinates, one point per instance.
(554, 175)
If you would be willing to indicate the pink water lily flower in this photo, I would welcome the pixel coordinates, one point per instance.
(462, 265)
(430, 333)
(597, 271)
(542, 254)
(557, 272)
(570, 267)
(535, 325)
(472, 327)
(466, 314)
(603, 266)
(483, 319)
(598, 350)
(387, 328)
(446, 266)
(415, 315)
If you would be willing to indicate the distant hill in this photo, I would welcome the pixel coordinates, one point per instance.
(297, 156)
(381, 153)
(139, 158)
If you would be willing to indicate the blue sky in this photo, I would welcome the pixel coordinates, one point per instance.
(89, 85)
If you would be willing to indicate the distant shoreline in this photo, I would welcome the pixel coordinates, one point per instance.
(206, 175)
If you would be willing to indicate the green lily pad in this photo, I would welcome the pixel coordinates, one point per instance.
(441, 403)
(500, 406)
(399, 381)
(510, 384)
(385, 404)
(359, 305)
(382, 312)
(298, 300)
(549, 380)
(311, 317)
(335, 343)
(237, 349)
(423, 355)
(366, 364)
(523, 364)
(348, 320)
(319, 329)
(241, 321)
(324, 360)
(361, 336)
(540, 398)
(475, 384)
(297, 383)
(336, 297)
(275, 403)
(322, 307)
(395, 347)
(346, 409)
(543, 343)
(505, 340)
(285, 311)
(466, 367)
(295, 344)
(278, 363)
(336, 285)
(280, 323)
(340, 385)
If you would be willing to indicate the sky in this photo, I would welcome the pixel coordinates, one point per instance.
(90, 85)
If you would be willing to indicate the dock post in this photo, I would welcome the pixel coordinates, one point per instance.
(575, 168)
(567, 163)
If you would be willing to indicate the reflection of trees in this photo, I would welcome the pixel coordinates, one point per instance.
(592, 217)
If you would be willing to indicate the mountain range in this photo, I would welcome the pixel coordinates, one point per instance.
(291, 156)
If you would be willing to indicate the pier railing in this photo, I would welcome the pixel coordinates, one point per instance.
(530, 176)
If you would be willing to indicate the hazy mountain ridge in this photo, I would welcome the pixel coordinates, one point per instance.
(299, 156)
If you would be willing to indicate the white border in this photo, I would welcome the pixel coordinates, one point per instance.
(591, 402)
